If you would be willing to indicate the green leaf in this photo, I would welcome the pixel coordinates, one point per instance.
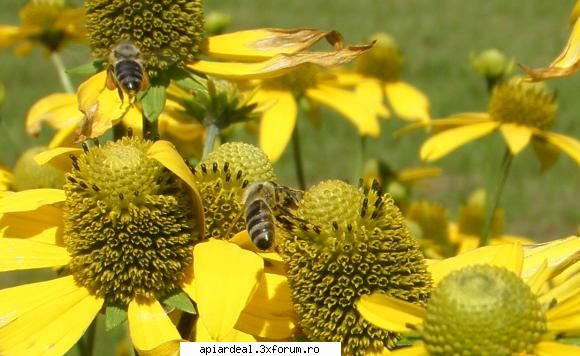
(189, 81)
(87, 68)
(180, 300)
(153, 100)
(114, 316)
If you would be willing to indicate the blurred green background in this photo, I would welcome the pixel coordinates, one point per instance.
(436, 38)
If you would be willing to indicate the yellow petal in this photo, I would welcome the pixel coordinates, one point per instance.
(278, 120)
(45, 318)
(563, 311)
(169, 348)
(408, 102)
(546, 152)
(566, 144)
(17, 254)
(516, 136)
(562, 292)
(443, 143)
(278, 65)
(270, 312)
(8, 35)
(261, 44)
(360, 113)
(58, 110)
(370, 92)
(202, 334)
(390, 313)
(166, 154)
(552, 348)
(243, 240)
(58, 157)
(555, 252)
(411, 175)
(149, 325)
(102, 108)
(31, 199)
(43, 225)
(509, 256)
(537, 280)
(462, 119)
(225, 279)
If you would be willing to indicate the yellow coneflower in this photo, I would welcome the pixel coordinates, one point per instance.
(49, 23)
(523, 113)
(487, 301)
(170, 37)
(123, 227)
(346, 243)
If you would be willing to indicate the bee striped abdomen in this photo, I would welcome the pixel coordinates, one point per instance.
(260, 224)
(130, 75)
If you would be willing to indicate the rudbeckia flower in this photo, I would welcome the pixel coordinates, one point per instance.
(170, 36)
(377, 75)
(568, 62)
(279, 99)
(123, 227)
(347, 243)
(487, 300)
(49, 23)
(240, 294)
(522, 112)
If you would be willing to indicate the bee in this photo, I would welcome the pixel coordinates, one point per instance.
(126, 71)
(263, 202)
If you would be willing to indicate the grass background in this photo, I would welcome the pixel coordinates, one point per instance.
(436, 38)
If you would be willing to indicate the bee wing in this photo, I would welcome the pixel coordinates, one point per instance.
(111, 82)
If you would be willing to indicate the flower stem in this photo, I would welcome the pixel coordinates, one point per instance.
(150, 129)
(298, 164)
(492, 201)
(87, 343)
(212, 132)
(60, 69)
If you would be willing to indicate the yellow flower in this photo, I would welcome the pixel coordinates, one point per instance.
(261, 53)
(49, 23)
(491, 289)
(5, 180)
(523, 112)
(241, 295)
(124, 227)
(377, 75)
(279, 99)
(60, 111)
(568, 62)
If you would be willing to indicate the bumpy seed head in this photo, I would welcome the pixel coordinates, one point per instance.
(168, 32)
(528, 104)
(434, 225)
(128, 223)
(55, 19)
(384, 61)
(30, 175)
(345, 243)
(222, 178)
(298, 80)
(483, 310)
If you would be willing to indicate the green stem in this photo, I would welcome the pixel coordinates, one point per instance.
(61, 70)
(212, 133)
(492, 201)
(150, 129)
(298, 164)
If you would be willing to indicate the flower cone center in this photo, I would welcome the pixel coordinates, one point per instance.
(527, 104)
(129, 225)
(480, 310)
